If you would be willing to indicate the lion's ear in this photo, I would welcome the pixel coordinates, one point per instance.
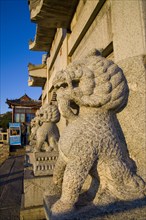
(94, 52)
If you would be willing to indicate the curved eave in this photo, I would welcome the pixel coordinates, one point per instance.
(37, 75)
(39, 71)
(56, 13)
(36, 82)
(43, 39)
(33, 67)
(35, 7)
(25, 105)
(49, 15)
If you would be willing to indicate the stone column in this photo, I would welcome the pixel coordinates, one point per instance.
(129, 41)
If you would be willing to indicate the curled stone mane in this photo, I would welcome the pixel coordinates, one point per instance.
(53, 114)
(101, 83)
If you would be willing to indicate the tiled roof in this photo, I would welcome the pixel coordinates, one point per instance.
(25, 100)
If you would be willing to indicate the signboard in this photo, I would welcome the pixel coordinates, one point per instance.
(14, 134)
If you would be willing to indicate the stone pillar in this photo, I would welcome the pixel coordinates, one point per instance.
(129, 41)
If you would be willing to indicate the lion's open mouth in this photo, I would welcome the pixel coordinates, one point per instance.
(74, 107)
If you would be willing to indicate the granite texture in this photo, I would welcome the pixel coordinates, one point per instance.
(89, 93)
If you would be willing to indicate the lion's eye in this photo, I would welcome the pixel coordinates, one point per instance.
(75, 83)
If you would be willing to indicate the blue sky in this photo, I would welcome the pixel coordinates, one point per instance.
(16, 30)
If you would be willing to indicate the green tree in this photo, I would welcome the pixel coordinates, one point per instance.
(5, 119)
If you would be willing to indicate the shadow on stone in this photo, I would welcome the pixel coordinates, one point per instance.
(135, 209)
(11, 174)
(11, 180)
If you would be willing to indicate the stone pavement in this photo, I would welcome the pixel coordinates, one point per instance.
(11, 187)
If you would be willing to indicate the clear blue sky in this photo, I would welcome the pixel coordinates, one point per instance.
(16, 30)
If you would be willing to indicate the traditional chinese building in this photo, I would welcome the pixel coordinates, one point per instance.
(23, 109)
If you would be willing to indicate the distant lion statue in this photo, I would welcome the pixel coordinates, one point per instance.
(35, 124)
(89, 93)
(47, 135)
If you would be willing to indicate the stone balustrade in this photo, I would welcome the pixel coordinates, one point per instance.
(4, 152)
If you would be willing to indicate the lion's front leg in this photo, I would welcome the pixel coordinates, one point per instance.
(39, 144)
(52, 143)
(75, 174)
(59, 171)
(88, 196)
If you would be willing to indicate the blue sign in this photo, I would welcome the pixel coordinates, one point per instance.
(15, 140)
(14, 125)
(14, 134)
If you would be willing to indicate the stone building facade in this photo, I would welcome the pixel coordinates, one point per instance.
(68, 30)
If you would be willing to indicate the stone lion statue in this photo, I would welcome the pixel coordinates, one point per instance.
(89, 93)
(48, 134)
(35, 124)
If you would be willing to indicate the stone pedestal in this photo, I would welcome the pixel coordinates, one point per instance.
(44, 163)
(37, 179)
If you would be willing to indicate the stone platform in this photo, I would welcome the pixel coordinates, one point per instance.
(129, 210)
(33, 213)
(32, 199)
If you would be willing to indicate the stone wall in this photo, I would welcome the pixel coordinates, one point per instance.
(99, 35)
(132, 118)
(122, 24)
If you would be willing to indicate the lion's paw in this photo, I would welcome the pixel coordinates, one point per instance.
(62, 208)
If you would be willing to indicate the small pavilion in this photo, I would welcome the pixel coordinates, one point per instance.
(23, 109)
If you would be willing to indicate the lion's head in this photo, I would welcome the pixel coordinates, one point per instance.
(93, 81)
(50, 113)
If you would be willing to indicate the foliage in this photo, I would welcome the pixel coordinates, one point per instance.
(5, 119)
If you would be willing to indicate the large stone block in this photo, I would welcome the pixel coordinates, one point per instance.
(132, 118)
(33, 213)
(98, 35)
(35, 187)
(32, 198)
(129, 28)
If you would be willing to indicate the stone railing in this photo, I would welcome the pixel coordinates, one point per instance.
(4, 137)
(4, 152)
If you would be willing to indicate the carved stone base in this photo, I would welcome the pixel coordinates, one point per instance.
(130, 210)
(44, 163)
